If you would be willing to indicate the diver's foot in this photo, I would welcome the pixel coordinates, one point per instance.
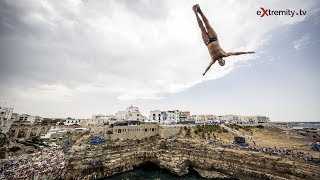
(195, 7)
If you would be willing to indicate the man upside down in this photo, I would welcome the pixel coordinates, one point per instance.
(210, 39)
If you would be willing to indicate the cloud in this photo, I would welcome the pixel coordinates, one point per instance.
(146, 49)
(302, 42)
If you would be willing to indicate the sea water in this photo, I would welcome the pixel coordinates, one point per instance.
(302, 125)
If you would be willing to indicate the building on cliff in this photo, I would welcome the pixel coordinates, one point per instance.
(104, 119)
(231, 119)
(72, 121)
(131, 113)
(203, 119)
(184, 116)
(159, 117)
(251, 120)
(133, 131)
(25, 119)
(169, 117)
(244, 120)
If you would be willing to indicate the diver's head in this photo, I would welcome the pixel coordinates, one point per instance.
(221, 62)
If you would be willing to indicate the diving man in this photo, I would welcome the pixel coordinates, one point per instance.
(210, 39)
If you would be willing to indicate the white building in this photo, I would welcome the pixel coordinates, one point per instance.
(121, 115)
(131, 113)
(262, 119)
(14, 117)
(160, 117)
(199, 119)
(173, 116)
(230, 119)
(203, 119)
(164, 117)
(70, 122)
(103, 119)
(155, 116)
(244, 120)
(28, 119)
(5, 119)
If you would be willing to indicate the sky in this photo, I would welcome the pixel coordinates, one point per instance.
(76, 58)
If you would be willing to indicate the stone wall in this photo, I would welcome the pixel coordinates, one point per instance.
(135, 131)
(168, 131)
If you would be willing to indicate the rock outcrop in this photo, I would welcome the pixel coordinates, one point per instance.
(178, 155)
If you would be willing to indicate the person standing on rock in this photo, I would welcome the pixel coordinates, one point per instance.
(210, 39)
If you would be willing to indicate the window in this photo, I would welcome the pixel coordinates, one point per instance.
(146, 130)
(119, 130)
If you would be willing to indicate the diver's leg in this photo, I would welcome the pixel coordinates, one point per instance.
(210, 30)
(204, 33)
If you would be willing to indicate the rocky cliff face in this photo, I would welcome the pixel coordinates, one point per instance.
(178, 155)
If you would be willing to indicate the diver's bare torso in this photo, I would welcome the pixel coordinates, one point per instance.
(215, 50)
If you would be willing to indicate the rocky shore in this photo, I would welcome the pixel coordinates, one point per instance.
(177, 156)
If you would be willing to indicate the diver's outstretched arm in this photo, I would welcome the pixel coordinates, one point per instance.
(209, 66)
(238, 53)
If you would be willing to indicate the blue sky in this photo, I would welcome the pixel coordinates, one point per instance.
(82, 58)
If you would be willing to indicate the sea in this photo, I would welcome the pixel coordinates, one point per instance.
(301, 125)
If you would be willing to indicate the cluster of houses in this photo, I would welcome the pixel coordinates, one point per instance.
(184, 117)
(7, 118)
(133, 114)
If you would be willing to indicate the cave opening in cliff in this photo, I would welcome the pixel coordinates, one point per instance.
(150, 170)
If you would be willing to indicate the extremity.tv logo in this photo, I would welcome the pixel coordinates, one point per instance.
(268, 12)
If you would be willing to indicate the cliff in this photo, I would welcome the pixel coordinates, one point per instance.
(178, 155)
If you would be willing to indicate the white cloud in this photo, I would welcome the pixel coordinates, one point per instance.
(104, 46)
(302, 42)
